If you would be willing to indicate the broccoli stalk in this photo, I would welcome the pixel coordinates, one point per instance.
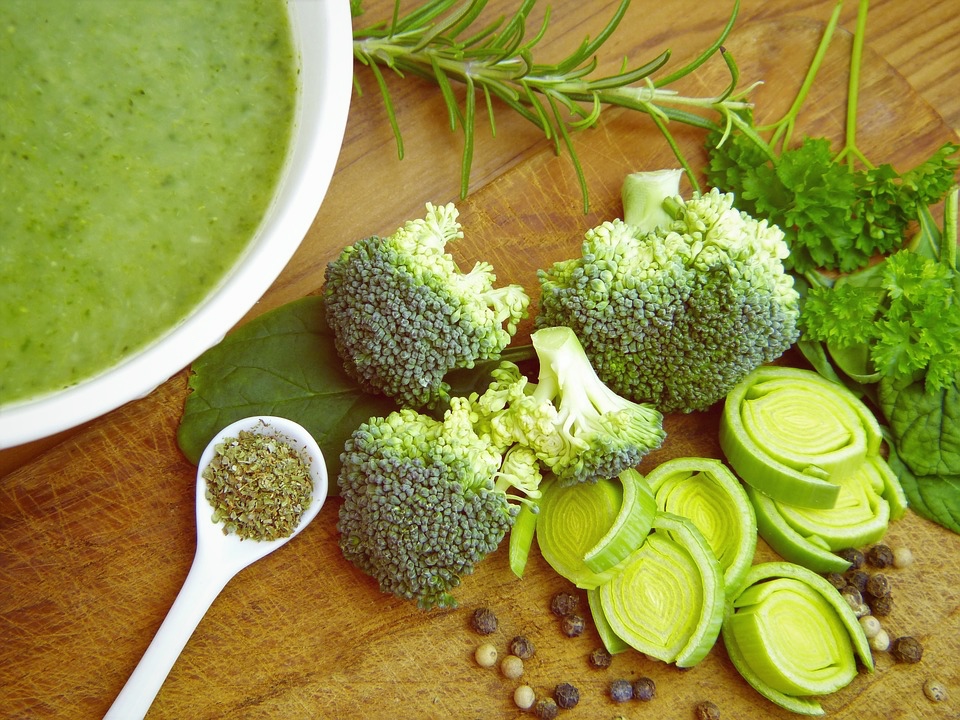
(676, 311)
(602, 434)
(403, 314)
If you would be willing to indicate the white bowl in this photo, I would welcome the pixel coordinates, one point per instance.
(322, 31)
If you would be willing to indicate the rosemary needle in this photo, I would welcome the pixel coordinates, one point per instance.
(445, 42)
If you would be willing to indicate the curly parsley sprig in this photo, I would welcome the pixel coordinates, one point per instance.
(446, 42)
(837, 209)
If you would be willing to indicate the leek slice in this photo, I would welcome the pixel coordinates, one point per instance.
(707, 492)
(810, 536)
(572, 520)
(790, 635)
(792, 434)
(631, 526)
(611, 641)
(521, 537)
(667, 599)
(787, 542)
(586, 530)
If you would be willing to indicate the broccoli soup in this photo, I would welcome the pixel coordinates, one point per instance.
(141, 143)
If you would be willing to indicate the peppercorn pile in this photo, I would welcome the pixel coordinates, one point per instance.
(547, 701)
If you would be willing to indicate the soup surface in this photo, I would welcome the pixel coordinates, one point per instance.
(140, 146)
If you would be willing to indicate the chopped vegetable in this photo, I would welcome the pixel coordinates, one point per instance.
(705, 491)
(420, 507)
(791, 636)
(677, 312)
(403, 314)
(792, 434)
(666, 599)
(585, 531)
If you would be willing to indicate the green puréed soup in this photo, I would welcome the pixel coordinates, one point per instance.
(141, 142)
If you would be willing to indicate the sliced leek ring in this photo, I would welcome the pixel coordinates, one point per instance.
(667, 599)
(810, 536)
(572, 520)
(611, 641)
(631, 526)
(791, 434)
(708, 493)
(521, 538)
(790, 635)
(787, 542)
(860, 517)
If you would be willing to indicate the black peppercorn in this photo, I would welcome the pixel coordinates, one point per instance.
(522, 647)
(621, 691)
(853, 596)
(600, 658)
(566, 695)
(852, 556)
(707, 710)
(644, 689)
(564, 603)
(906, 649)
(546, 709)
(878, 585)
(573, 625)
(484, 621)
(879, 556)
(857, 578)
(837, 580)
(881, 606)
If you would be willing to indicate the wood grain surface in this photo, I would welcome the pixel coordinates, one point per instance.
(97, 529)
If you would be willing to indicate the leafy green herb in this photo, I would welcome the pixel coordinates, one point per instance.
(837, 209)
(446, 42)
(282, 363)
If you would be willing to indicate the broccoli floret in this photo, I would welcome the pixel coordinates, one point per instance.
(421, 506)
(403, 314)
(676, 309)
(594, 432)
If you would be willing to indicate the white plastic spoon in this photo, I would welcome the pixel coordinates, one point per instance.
(218, 558)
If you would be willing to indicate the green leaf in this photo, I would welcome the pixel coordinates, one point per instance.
(934, 497)
(926, 425)
(282, 363)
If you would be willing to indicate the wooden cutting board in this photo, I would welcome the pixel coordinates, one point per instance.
(97, 534)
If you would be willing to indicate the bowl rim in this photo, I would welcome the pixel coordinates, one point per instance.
(302, 187)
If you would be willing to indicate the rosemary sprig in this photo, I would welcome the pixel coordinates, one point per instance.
(444, 42)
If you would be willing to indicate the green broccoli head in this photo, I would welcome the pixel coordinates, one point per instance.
(403, 314)
(676, 313)
(420, 506)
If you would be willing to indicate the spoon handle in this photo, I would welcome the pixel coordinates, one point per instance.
(199, 590)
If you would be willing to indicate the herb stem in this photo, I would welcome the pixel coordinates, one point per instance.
(850, 149)
(438, 41)
(783, 128)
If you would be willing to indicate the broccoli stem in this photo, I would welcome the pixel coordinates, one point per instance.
(643, 194)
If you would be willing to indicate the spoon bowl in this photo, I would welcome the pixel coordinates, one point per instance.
(218, 558)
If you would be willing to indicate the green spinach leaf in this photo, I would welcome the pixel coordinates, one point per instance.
(282, 363)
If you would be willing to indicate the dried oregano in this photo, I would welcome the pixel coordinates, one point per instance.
(258, 486)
